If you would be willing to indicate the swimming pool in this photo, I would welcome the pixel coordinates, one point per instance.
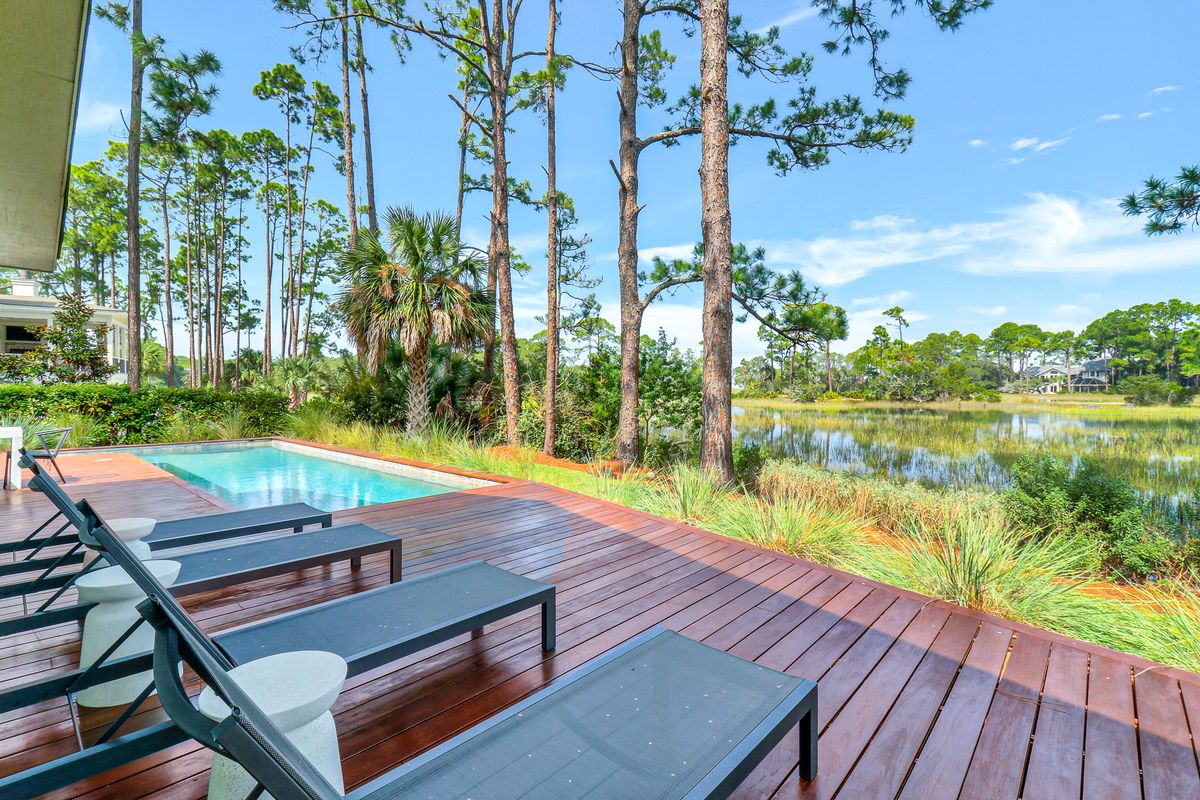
(250, 474)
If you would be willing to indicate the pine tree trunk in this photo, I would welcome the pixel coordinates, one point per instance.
(463, 127)
(716, 449)
(270, 237)
(500, 70)
(133, 294)
(168, 329)
(347, 130)
(297, 293)
(627, 255)
(418, 388)
(828, 368)
(551, 246)
(237, 352)
(368, 161)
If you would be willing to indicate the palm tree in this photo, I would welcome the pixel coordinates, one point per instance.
(417, 284)
(298, 375)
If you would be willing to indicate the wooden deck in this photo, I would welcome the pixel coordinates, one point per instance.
(918, 699)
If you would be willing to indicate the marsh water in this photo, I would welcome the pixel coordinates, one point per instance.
(1159, 454)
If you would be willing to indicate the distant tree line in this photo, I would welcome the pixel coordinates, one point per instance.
(1140, 345)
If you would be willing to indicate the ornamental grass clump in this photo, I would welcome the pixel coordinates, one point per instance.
(686, 494)
(793, 525)
(978, 562)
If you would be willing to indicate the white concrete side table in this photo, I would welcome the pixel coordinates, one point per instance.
(131, 531)
(116, 596)
(295, 690)
(16, 440)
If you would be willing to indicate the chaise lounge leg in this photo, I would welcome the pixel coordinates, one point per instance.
(355, 562)
(397, 562)
(808, 744)
(548, 625)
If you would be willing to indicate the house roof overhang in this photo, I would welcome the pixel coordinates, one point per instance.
(41, 59)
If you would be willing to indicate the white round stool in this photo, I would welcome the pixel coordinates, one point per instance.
(116, 596)
(295, 690)
(131, 531)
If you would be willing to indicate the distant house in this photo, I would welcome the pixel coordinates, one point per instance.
(1090, 376)
(23, 308)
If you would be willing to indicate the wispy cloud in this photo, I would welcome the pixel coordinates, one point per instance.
(1012, 162)
(977, 143)
(881, 222)
(98, 116)
(1036, 144)
(1048, 234)
(1165, 89)
(787, 20)
(1108, 118)
(1042, 147)
(1145, 115)
(1070, 309)
(889, 299)
(987, 311)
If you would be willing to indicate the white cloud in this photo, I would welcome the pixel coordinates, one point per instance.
(1048, 234)
(98, 116)
(1072, 310)
(787, 20)
(977, 143)
(1012, 162)
(987, 311)
(881, 222)
(1145, 115)
(890, 299)
(667, 252)
(1108, 118)
(1165, 89)
(1024, 142)
(1051, 144)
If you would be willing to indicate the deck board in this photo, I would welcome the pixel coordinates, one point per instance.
(918, 699)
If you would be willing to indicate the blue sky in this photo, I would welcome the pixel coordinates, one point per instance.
(1032, 121)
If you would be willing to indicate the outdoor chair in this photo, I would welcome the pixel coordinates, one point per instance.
(368, 629)
(660, 716)
(215, 568)
(51, 442)
(200, 529)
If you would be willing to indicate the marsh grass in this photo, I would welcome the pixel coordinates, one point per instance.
(973, 445)
(893, 506)
(979, 563)
(85, 430)
(793, 525)
(686, 494)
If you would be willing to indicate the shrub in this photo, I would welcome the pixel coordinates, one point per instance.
(137, 417)
(1151, 390)
(1052, 499)
(577, 436)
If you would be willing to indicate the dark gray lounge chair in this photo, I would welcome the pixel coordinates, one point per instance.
(186, 532)
(51, 441)
(368, 629)
(661, 717)
(228, 565)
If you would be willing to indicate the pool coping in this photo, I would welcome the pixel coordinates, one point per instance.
(485, 479)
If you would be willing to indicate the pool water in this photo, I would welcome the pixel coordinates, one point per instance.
(265, 474)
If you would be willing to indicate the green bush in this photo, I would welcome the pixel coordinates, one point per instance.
(1051, 498)
(137, 417)
(1151, 390)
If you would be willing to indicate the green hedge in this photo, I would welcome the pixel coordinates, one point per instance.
(138, 417)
